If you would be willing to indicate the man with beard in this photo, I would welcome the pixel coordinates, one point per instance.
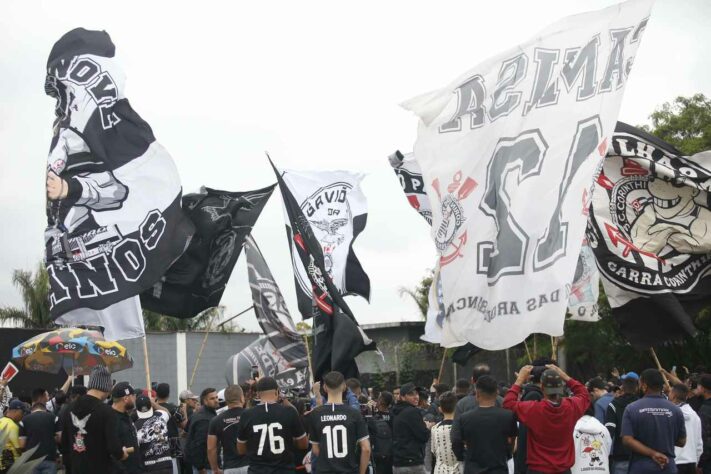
(198, 426)
(124, 401)
(90, 428)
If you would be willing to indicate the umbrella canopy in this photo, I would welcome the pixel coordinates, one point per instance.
(71, 349)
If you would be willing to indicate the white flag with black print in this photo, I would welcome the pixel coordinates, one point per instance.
(336, 208)
(114, 217)
(508, 153)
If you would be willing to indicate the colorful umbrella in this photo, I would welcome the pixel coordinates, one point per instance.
(74, 350)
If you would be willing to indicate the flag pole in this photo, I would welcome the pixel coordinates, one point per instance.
(441, 365)
(659, 366)
(308, 358)
(147, 364)
(554, 348)
(528, 353)
(202, 347)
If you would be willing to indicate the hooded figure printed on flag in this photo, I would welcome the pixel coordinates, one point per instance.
(115, 223)
(650, 229)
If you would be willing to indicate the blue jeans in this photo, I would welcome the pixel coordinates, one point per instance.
(620, 467)
(46, 467)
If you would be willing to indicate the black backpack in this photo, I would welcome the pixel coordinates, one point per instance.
(383, 434)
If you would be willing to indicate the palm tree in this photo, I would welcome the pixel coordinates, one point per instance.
(420, 295)
(35, 291)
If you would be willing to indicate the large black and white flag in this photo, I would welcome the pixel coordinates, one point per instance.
(269, 362)
(338, 338)
(222, 220)
(115, 223)
(336, 209)
(508, 153)
(650, 228)
(270, 308)
(409, 173)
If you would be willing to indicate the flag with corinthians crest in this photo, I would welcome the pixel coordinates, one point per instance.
(650, 229)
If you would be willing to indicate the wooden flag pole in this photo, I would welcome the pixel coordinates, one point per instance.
(554, 348)
(308, 358)
(147, 364)
(659, 366)
(441, 365)
(528, 353)
(202, 347)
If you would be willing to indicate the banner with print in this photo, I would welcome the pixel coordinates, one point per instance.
(582, 302)
(409, 173)
(115, 222)
(197, 280)
(270, 307)
(336, 208)
(269, 362)
(508, 153)
(650, 229)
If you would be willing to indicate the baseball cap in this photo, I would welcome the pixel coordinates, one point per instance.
(266, 383)
(551, 382)
(407, 388)
(122, 389)
(144, 409)
(17, 405)
(187, 395)
(630, 375)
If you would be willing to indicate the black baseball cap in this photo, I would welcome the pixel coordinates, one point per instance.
(266, 383)
(122, 389)
(552, 383)
(144, 408)
(407, 388)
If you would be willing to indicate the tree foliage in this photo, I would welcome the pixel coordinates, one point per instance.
(420, 294)
(685, 123)
(34, 289)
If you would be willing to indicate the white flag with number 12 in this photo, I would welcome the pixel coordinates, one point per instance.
(508, 154)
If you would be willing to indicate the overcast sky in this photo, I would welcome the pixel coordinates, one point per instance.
(317, 84)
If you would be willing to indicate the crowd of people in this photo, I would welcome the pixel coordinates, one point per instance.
(546, 422)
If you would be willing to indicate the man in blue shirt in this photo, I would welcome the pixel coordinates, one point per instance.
(602, 397)
(651, 427)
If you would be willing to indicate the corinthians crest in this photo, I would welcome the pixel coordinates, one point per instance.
(448, 240)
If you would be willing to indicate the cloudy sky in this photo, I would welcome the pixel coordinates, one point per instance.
(315, 83)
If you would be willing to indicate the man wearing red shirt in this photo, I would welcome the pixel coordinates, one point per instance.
(550, 421)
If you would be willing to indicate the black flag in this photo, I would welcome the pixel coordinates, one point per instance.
(337, 337)
(270, 307)
(648, 228)
(197, 280)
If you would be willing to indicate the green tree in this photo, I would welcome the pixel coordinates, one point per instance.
(420, 295)
(159, 322)
(34, 289)
(685, 123)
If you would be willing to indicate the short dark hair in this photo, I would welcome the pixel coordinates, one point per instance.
(705, 381)
(77, 391)
(630, 385)
(487, 386)
(205, 393)
(333, 380)
(353, 384)
(448, 402)
(38, 393)
(440, 388)
(681, 391)
(162, 390)
(462, 386)
(653, 379)
(480, 370)
(386, 398)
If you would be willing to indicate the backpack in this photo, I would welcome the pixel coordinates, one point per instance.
(383, 434)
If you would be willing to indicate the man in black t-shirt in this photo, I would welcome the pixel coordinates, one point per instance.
(337, 431)
(268, 433)
(42, 429)
(175, 423)
(487, 432)
(223, 433)
(152, 434)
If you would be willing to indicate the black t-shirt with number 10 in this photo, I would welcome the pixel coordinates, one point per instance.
(269, 430)
(337, 429)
